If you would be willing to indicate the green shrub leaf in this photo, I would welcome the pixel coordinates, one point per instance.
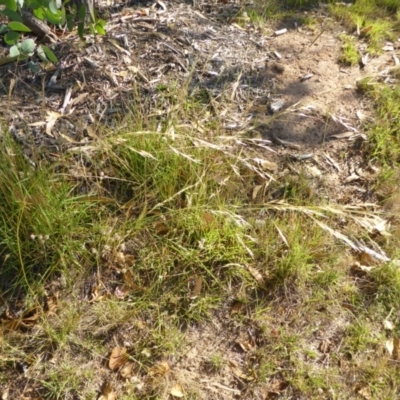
(39, 13)
(14, 52)
(12, 15)
(18, 26)
(11, 37)
(28, 47)
(70, 23)
(53, 7)
(11, 4)
(81, 26)
(3, 29)
(49, 54)
(53, 18)
(99, 28)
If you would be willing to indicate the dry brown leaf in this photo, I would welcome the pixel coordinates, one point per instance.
(51, 119)
(256, 275)
(208, 218)
(365, 30)
(107, 392)
(275, 333)
(177, 391)
(392, 346)
(246, 346)
(121, 292)
(160, 369)
(324, 346)
(366, 259)
(161, 228)
(365, 393)
(5, 393)
(196, 288)
(265, 164)
(256, 190)
(129, 280)
(120, 259)
(279, 386)
(388, 325)
(118, 358)
(127, 370)
(237, 307)
(238, 371)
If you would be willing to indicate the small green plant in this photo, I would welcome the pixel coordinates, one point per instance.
(350, 54)
(216, 362)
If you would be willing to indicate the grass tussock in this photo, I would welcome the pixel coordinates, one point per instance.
(132, 240)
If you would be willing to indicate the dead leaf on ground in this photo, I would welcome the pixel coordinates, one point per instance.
(177, 391)
(365, 393)
(392, 346)
(161, 228)
(51, 119)
(256, 275)
(276, 389)
(237, 307)
(256, 190)
(118, 358)
(107, 393)
(198, 283)
(388, 325)
(238, 371)
(27, 320)
(160, 369)
(245, 345)
(208, 218)
(5, 393)
(127, 370)
(265, 164)
(324, 346)
(366, 259)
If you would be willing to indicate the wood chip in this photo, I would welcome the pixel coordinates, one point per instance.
(306, 77)
(280, 32)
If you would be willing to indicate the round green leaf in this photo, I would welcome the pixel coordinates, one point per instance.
(12, 15)
(40, 52)
(39, 13)
(18, 26)
(3, 29)
(14, 52)
(53, 18)
(50, 55)
(11, 4)
(11, 37)
(53, 7)
(28, 47)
